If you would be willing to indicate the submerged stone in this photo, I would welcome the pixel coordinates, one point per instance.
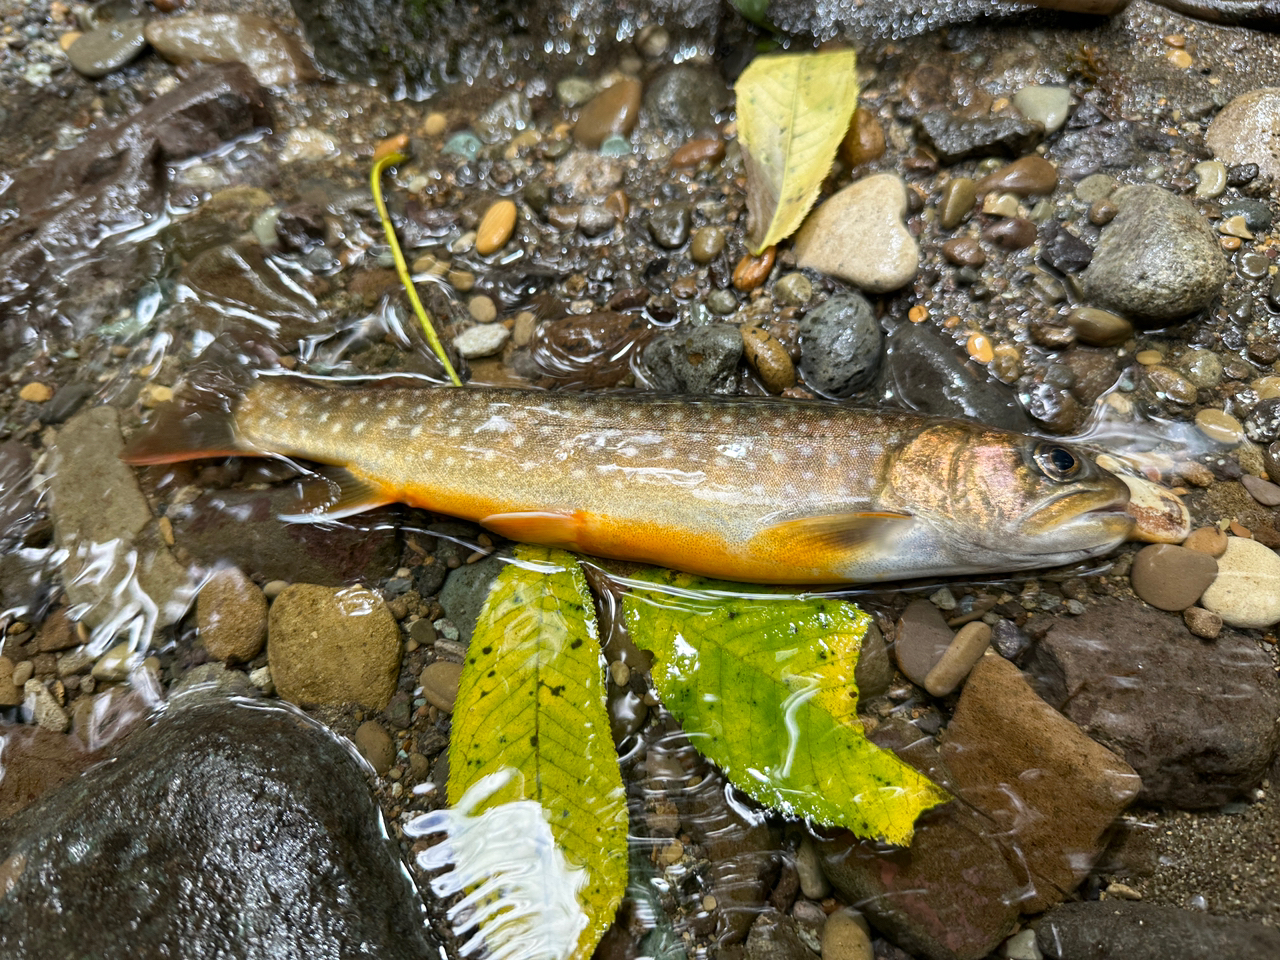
(219, 831)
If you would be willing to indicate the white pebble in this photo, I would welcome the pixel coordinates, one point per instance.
(481, 341)
(1246, 592)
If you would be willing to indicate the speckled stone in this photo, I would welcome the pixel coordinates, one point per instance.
(1157, 261)
(1246, 592)
(1247, 130)
(858, 235)
(231, 613)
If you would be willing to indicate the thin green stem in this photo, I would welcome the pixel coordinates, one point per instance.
(390, 153)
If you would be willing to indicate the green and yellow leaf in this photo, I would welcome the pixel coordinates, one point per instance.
(530, 725)
(793, 111)
(762, 684)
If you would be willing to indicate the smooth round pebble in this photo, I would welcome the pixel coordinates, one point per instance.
(439, 681)
(846, 936)
(375, 745)
(964, 252)
(958, 197)
(966, 649)
(706, 244)
(1244, 131)
(496, 227)
(1099, 328)
(1220, 426)
(769, 358)
(859, 235)
(1027, 176)
(1208, 540)
(107, 48)
(483, 340)
(612, 111)
(482, 309)
(1247, 590)
(1264, 491)
(922, 638)
(1211, 178)
(792, 290)
(231, 613)
(1171, 577)
(1048, 106)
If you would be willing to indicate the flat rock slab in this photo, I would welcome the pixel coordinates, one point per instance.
(219, 831)
(1196, 720)
(117, 565)
(1052, 792)
(1145, 931)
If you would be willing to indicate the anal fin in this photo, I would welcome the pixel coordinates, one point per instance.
(340, 493)
(547, 527)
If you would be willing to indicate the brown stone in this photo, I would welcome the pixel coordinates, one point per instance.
(1208, 540)
(1015, 233)
(1050, 791)
(865, 140)
(613, 110)
(922, 638)
(1171, 577)
(1027, 176)
(1264, 491)
(964, 252)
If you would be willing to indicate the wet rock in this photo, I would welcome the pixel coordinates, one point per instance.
(840, 345)
(684, 101)
(926, 372)
(1194, 720)
(504, 118)
(958, 138)
(1208, 540)
(17, 499)
(704, 360)
(964, 252)
(1264, 491)
(592, 350)
(586, 175)
(221, 810)
(775, 936)
(846, 936)
(333, 647)
(465, 591)
(1157, 260)
(482, 340)
(1015, 233)
(669, 225)
(1099, 328)
(958, 197)
(375, 745)
(859, 235)
(439, 681)
(1027, 176)
(1107, 145)
(113, 179)
(1257, 215)
(242, 528)
(1046, 787)
(1245, 130)
(1262, 425)
(231, 613)
(271, 53)
(45, 709)
(946, 897)
(37, 761)
(1205, 624)
(1170, 577)
(966, 649)
(769, 358)
(1246, 592)
(66, 402)
(103, 49)
(865, 140)
(1045, 105)
(1062, 249)
(611, 112)
(1159, 515)
(1148, 931)
(117, 562)
(922, 638)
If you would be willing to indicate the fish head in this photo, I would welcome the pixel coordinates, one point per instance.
(1005, 501)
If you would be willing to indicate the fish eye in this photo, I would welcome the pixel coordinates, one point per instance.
(1056, 462)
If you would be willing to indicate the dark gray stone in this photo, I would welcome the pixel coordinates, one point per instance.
(1062, 249)
(956, 138)
(1263, 422)
(465, 591)
(684, 101)
(65, 402)
(840, 345)
(1107, 145)
(1197, 721)
(704, 360)
(219, 831)
(1257, 215)
(17, 499)
(669, 225)
(924, 371)
(1101, 930)
(243, 528)
(1157, 261)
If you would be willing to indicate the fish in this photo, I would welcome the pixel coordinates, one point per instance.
(752, 489)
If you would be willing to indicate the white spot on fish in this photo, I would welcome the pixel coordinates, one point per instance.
(577, 473)
(737, 451)
(323, 418)
(627, 451)
(668, 453)
(518, 440)
(777, 456)
(359, 427)
(336, 428)
(455, 431)
(416, 431)
(449, 461)
(419, 410)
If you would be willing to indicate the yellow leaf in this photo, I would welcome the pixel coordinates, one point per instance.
(763, 685)
(793, 111)
(530, 727)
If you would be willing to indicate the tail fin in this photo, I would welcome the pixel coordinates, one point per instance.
(184, 430)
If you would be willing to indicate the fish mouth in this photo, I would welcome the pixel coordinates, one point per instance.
(1100, 510)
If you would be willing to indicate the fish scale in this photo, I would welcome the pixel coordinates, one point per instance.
(753, 489)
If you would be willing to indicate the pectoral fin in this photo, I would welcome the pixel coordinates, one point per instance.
(342, 494)
(829, 539)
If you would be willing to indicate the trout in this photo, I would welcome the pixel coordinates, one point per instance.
(750, 489)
